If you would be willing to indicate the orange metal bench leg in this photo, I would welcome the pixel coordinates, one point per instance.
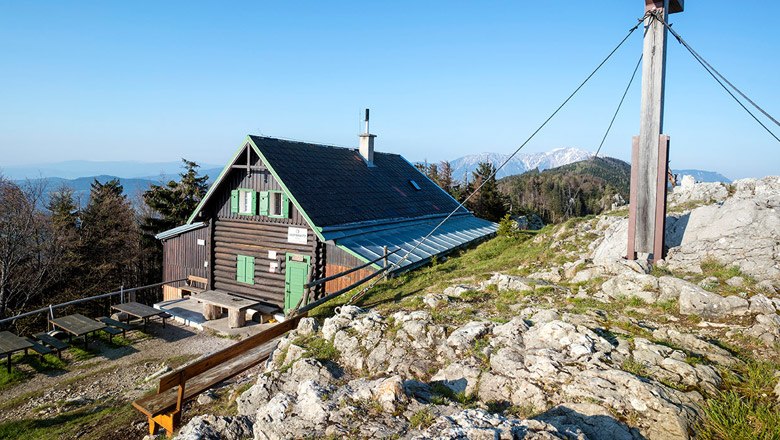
(169, 422)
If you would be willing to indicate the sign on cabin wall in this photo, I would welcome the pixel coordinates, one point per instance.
(296, 235)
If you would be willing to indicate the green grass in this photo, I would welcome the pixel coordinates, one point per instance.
(747, 408)
(500, 254)
(422, 419)
(33, 361)
(632, 366)
(98, 420)
(317, 348)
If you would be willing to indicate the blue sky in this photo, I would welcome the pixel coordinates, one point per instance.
(156, 81)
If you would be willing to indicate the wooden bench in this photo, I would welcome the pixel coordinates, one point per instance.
(177, 387)
(52, 342)
(124, 328)
(38, 348)
(190, 286)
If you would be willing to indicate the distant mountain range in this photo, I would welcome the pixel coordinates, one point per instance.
(74, 169)
(137, 177)
(463, 166)
(703, 176)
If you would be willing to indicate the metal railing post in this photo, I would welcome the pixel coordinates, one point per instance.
(122, 294)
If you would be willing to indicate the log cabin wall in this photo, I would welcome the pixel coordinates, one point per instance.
(184, 256)
(256, 236)
(338, 261)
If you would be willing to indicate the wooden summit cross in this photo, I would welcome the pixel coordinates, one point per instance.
(650, 150)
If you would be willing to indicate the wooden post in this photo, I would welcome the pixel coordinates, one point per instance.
(648, 198)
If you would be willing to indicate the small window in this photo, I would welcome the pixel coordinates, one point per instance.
(278, 204)
(245, 269)
(243, 201)
(415, 185)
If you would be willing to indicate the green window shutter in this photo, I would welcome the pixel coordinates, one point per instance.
(234, 201)
(240, 268)
(285, 206)
(254, 203)
(264, 202)
(250, 270)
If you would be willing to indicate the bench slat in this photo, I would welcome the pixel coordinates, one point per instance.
(196, 368)
(51, 341)
(40, 349)
(114, 323)
(166, 401)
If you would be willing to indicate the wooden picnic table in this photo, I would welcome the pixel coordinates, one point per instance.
(78, 325)
(214, 300)
(10, 343)
(140, 311)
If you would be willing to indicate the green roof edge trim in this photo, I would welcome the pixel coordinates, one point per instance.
(250, 143)
(317, 231)
(216, 183)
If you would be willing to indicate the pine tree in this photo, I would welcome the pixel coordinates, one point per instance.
(64, 219)
(110, 239)
(487, 202)
(445, 177)
(169, 205)
(174, 202)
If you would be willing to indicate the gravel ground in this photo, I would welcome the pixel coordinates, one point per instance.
(115, 374)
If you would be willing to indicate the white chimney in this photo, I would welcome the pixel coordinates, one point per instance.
(367, 145)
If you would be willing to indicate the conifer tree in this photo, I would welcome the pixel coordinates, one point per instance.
(110, 239)
(487, 202)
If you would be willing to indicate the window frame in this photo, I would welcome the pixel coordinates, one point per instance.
(284, 204)
(252, 194)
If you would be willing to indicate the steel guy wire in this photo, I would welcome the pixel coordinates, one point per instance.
(397, 264)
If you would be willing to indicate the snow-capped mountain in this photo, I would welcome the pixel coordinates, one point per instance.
(703, 176)
(519, 164)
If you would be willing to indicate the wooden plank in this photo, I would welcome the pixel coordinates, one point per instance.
(206, 363)
(10, 343)
(51, 341)
(651, 126)
(166, 401)
(660, 203)
(77, 324)
(631, 252)
(38, 348)
(197, 279)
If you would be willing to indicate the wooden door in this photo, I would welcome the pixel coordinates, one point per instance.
(295, 277)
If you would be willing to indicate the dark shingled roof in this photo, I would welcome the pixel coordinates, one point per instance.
(334, 185)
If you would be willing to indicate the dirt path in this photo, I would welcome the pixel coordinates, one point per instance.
(113, 375)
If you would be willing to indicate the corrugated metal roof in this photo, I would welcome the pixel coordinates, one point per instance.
(455, 232)
(179, 230)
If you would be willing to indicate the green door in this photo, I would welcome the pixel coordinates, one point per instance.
(295, 277)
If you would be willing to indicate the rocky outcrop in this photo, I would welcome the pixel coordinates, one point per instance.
(562, 370)
(209, 427)
(737, 225)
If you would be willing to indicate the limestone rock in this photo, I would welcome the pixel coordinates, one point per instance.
(478, 424)
(459, 289)
(210, 427)
(696, 345)
(663, 413)
(307, 326)
(593, 421)
(463, 338)
(696, 301)
(762, 305)
(630, 284)
(459, 376)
